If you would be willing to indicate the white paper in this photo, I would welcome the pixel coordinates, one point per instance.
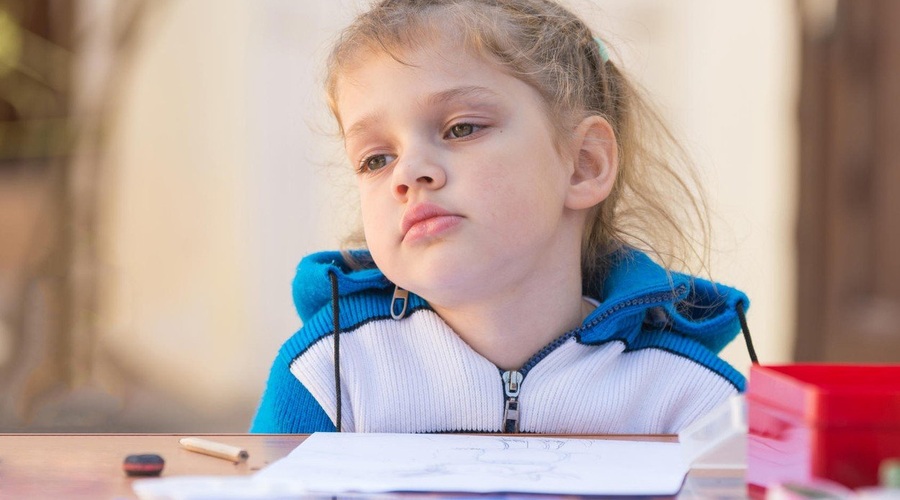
(718, 440)
(215, 488)
(338, 463)
(342, 463)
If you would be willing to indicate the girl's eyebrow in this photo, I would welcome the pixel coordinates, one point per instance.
(455, 93)
(442, 97)
(361, 125)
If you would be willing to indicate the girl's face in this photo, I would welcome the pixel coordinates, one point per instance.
(463, 191)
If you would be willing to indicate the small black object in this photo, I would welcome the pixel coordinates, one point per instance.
(148, 464)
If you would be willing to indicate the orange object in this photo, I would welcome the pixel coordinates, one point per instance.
(821, 421)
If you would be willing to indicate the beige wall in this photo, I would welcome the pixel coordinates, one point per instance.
(225, 178)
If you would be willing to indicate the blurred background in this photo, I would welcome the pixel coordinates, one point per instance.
(164, 165)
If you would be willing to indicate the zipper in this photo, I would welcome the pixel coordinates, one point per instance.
(647, 300)
(512, 379)
(512, 382)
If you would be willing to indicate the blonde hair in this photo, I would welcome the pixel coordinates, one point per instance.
(656, 204)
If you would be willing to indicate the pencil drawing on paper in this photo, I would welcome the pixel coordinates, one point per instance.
(531, 459)
(487, 463)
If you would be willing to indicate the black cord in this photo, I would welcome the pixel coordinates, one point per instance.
(336, 319)
(740, 312)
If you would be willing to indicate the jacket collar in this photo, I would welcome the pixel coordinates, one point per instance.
(636, 291)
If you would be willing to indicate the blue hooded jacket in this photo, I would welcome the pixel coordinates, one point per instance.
(643, 308)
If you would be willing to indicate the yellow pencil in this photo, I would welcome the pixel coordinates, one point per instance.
(214, 449)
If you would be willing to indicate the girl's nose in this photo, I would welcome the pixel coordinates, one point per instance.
(417, 173)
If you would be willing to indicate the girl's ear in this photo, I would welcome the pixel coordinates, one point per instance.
(595, 163)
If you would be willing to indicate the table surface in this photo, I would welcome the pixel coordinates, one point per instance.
(37, 466)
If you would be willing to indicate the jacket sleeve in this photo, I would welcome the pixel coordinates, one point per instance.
(287, 407)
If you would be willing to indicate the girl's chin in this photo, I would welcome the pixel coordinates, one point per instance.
(450, 291)
(445, 274)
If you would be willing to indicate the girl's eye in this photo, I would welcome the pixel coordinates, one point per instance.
(373, 163)
(460, 130)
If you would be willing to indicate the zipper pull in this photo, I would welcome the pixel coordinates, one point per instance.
(399, 302)
(512, 381)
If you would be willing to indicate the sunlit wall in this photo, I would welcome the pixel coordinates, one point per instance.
(226, 173)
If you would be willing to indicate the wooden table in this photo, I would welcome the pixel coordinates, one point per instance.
(63, 466)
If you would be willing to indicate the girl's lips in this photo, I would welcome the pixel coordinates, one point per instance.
(431, 227)
(426, 220)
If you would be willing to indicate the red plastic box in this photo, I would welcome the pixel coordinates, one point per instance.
(821, 421)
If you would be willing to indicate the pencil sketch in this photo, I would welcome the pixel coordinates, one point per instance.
(414, 462)
(522, 459)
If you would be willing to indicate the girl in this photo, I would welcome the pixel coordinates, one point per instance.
(511, 198)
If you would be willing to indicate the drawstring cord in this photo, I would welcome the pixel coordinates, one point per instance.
(336, 320)
(739, 307)
(398, 311)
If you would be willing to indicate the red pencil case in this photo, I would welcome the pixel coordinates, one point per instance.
(821, 421)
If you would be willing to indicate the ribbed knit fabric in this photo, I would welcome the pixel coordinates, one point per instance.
(643, 361)
(417, 375)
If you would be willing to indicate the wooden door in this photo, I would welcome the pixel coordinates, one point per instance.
(849, 217)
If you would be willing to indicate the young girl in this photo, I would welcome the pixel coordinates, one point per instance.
(512, 199)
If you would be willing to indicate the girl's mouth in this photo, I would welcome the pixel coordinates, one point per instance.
(427, 220)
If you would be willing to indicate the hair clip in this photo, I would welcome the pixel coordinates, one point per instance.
(604, 54)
